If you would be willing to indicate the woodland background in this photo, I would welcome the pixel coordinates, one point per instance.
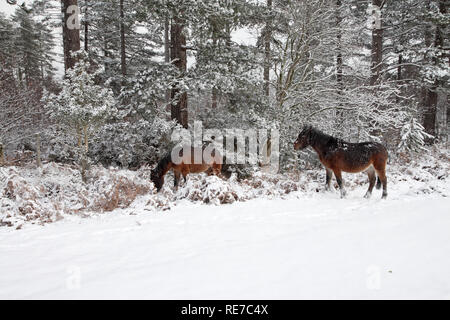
(136, 69)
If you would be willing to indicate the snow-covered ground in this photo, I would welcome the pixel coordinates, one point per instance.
(313, 246)
(268, 237)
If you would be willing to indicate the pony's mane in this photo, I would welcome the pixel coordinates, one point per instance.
(163, 163)
(317, 136)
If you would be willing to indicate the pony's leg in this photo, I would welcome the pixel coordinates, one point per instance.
(338, 175)
(328, 179)
(380, 168)
(177, 178)
(217, 169)
(372, 180)
(382, 175)
(185, 172)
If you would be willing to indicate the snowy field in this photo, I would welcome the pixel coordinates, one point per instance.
(267, 237)
(306, 245)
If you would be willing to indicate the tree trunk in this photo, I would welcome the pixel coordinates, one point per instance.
(377, 42)
(106, 55)
(214, 98)
(429, 117)
(2, 155)
(167, 55)
(447, 118)
(399, 75)
(71, 32)
(123, 58)
(339, 62)
(86, 27)
(38, 150)
(267, 40)
(79, 138)
(84, 157)
(214, 90)
(431, 101)
(86, 139)
(178, 56)
(339, 48)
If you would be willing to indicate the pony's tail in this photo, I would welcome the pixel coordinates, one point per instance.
(378, 183)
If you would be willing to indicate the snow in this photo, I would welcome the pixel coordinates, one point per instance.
(266, 237)
(307, 245)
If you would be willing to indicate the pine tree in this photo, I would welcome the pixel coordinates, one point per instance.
(82, 105)
(413, 137)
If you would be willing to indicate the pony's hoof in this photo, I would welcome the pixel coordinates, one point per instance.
(384, 196)
(368, 195)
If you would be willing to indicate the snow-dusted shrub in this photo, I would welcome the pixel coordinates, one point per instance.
(57, 145)
(20, 200)
(131, 144)
(31, 195)
(46, 195)
(82, 106)
(210, 189)
(117, 190)
(216, 190)
(413, 137)
(272, 185)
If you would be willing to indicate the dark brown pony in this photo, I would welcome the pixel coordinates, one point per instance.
(185, 166)
(337, 156)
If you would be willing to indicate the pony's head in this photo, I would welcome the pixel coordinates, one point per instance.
(303, 138)
(157, 179)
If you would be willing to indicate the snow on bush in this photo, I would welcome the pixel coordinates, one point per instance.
(413, 137)
(46, 195)
(40, 196)
(210, 189)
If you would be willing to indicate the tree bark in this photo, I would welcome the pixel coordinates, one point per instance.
(267, 40)
(399, 74)
(86, 27)
(123, 59)
(429, 117)
(214, 90)
(71, 33)
(179, 59)
(339, 62)
(214, 98)
(38, 150)
(447, 118)
(431, 101)
(377, 42)
(84, 156)
(167, 54)
(2, 155)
